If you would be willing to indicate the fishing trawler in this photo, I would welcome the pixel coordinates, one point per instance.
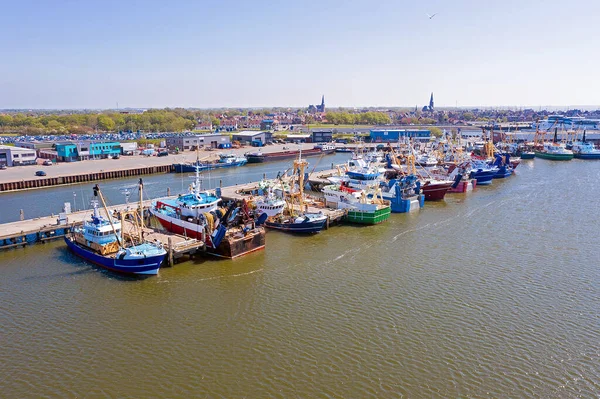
(290, 214)
(100, 240)
(362, 207)
(195, 214)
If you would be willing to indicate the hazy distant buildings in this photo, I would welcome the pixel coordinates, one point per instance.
(317, 108)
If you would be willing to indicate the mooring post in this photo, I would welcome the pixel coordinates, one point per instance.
(221, 183)
(168, 191)
(21, 214)
(170, 243)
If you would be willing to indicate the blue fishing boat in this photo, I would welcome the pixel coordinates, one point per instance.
(405, 194)
(296, 218)
(100, 241)
(482, 172)
(306, 223)
(502, 163)
(225, 161)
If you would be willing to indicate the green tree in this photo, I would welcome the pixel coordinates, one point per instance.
(105, 123)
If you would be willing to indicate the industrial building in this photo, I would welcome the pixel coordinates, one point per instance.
(299, 138)
(193, 142)
(70, 151)
(251, 137)
(322, 136)
(16, 156)
(386, 136)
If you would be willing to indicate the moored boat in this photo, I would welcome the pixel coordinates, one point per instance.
(585, 150)
(554, 152)
(195, 214)
(101, 241)
(258, 157)
(225, 161)
(360, 207)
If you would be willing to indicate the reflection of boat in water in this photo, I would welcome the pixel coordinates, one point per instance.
(225, 161)
(102, 242)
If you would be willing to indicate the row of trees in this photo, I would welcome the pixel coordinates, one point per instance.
(364, 118)
(152, 120)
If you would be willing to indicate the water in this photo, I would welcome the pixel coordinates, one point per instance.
(43, 202)
(489, 295)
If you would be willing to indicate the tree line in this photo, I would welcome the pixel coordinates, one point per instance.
(364, 118)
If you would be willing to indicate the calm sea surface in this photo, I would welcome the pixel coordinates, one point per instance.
(494, 294)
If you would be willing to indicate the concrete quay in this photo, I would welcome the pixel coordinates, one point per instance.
(23, 177)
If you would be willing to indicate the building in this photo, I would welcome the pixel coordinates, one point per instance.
(192, 142)
(322, 136)
(248, 136)
(268, 124)
(71, 151)
(321, 108)
(299, 138)
(386, 136)
(129, 148)
(17, 156)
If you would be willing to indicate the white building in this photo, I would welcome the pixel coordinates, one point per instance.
(16, 156)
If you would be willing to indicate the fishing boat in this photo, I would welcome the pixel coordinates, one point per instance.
(503, 164)
(585, 150)
(482, 172)
(404, 194)
(361, 208)
(426, 160)
(195, 214)
(225, 161)
(100, 240)
(554, 152)
(291, 215)
(435, 189)
(259, 157)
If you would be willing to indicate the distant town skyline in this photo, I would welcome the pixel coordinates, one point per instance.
(64, 55)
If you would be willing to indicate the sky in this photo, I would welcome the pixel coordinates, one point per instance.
(229, 53)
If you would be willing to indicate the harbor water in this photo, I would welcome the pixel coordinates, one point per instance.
(492, 294)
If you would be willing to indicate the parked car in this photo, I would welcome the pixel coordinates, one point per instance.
(163, 154)
(40, 173)
(2, 167)
(116, 156)
(47, 162)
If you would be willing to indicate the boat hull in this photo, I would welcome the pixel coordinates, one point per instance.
(503, 172)
(554, 157)
(483, 177)
(190, 168)
(587, 156)
(311, 227)
(463, 186)
(149, 265)
(236, 245)
(368, 217)
(436, 191)
(527, 155)
(278, 156)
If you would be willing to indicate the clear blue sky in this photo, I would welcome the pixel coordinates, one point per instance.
(80, 54)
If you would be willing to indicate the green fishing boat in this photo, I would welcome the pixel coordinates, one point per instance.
(554, 152)
(380, 214)
(359, 208)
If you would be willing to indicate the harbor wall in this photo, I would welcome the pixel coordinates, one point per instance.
(83, 178)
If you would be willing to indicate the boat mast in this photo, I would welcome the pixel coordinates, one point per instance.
(98, 193)
(140, 233)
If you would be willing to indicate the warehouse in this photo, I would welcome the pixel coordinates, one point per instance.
(385, 136)
(250, 137)
(193, 142)
(16, 156)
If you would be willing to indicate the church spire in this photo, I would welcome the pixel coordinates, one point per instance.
(431, 102)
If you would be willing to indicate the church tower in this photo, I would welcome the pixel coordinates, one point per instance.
(431, 102)
(322, 107)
